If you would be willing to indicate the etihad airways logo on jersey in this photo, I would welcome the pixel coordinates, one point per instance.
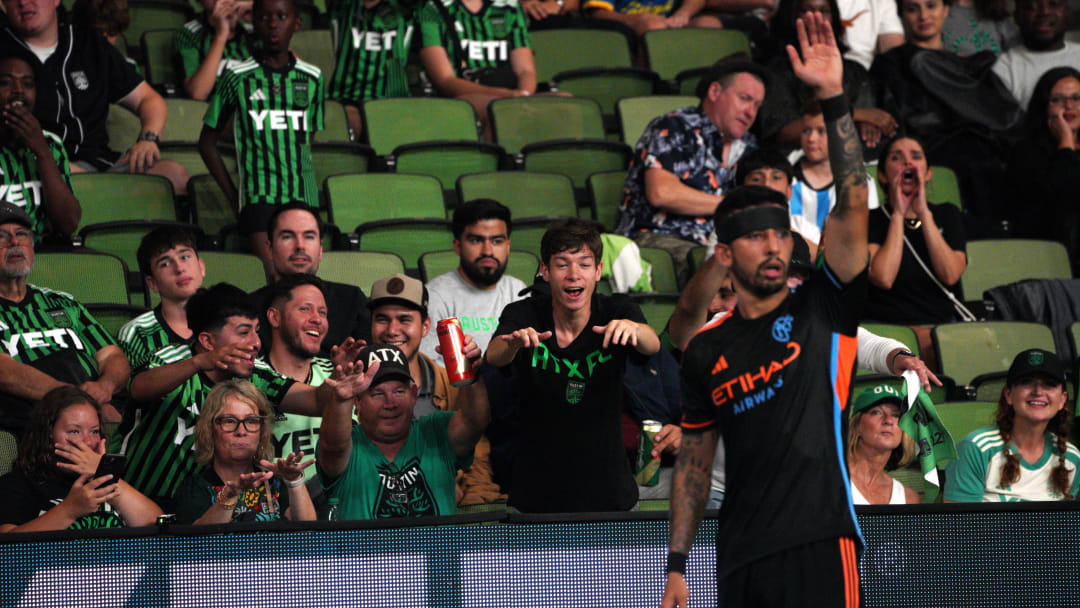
(378, 41)
(752, 388)
(49, 338)
(279, 120)
(21, 194)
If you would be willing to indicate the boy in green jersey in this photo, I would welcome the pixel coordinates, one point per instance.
(218, 39)
(277, 102)
(34, 170)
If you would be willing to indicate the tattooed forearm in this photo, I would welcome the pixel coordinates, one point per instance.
(690, 487)
(846, 161)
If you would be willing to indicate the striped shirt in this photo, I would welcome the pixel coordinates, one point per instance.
(193, 42)
(485, 38)
(20, 181)
(372, 48)
(145, 335)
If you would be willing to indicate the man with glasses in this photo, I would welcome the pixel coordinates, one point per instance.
(48, 338)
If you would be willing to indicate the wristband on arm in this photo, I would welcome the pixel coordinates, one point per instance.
(676, 562)
(833, 108)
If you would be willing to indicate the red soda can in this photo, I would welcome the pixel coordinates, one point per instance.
(451, 341)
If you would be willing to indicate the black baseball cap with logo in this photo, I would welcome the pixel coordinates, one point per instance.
(1036, 362)
(10, 212)
(392, 362)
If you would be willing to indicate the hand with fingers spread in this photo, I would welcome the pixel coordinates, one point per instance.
(817, 62)
(246, 481)
(351, 380)
(77, 457)
(870, 134)
(88, 494)
(222, 357)
(619, 331)
(290, 468)
(525, 338)
(347, 351)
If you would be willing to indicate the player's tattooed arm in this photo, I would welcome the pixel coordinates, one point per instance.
(690, 489)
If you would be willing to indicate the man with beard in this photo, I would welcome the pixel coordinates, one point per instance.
(48, 338)
(295, 235)
(1042, 28)
(34, 172)
(297, 314)
(478, 289)
(773, 378)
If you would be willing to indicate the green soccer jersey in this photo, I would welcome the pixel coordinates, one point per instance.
(277, 112)
(20, 182)
(193, 42)
(296, 433)
(372, 48)
(158, 438)
(145, 335)
(51, 332)
(419, 482)
(485, 38)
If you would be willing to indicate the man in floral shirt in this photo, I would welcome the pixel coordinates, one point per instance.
(685, 161)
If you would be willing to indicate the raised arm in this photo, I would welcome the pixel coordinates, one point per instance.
(822, 68)
(335, 434)
(692, 310)
(472, 417)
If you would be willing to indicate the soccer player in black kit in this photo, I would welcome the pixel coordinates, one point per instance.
(773, 378)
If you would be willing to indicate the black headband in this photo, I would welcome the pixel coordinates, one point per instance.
(762, 217)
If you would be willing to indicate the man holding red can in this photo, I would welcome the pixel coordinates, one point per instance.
(399, 317)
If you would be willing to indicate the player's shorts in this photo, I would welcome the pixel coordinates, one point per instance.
(823, 574)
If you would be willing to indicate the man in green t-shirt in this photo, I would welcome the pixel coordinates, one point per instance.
(390, 465)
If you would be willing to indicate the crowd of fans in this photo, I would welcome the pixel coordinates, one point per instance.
(231, 406)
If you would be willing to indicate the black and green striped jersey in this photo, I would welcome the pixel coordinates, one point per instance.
(193, 42)
(144, 336)
(277, 113)
(486, 38)
(159, 438)
(20, 182)
(51, 332)
(372, 48)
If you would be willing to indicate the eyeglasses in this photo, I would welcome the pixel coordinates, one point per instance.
(22, 235)
(229, 424)
(1060, 100)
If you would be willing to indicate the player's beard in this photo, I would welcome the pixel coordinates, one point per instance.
(479, 276)
(757, 284)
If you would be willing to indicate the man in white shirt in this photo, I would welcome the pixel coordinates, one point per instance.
(1042, 26)
(870, 27)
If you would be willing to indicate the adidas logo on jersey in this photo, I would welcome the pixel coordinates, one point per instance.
(258, 95)
(279, 119)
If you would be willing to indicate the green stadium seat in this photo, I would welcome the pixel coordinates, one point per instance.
(335, 125)
(527, 194)
(338, 159)
(962, 417)
(670, 52)
(114, 316)
(359, 268)
(996, 262)
(697, 257)
(663, 269)
(147, 15)
(635, 113)
(122, 127)
(607, 85)
(115, 197)
(159, 60)
(657, 308)
(561, 50)
(185, 120)
(978, 353)
(431, 136)
(212, 211)
(521, 264)
(89, 277)
(241, 269)
(9, 449)
(317, 48)
(606, 194)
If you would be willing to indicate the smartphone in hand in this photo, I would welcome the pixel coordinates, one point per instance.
(111, 464)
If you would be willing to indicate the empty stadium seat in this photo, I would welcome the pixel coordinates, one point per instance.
(211, 210)
(657, 308)
(672, 51)
(979, 353)
(241, 269)
(359, 268)
(635, 113)
(606, 194)
(185, 120)
(561, 50)
(663, 269)
(995, 262)
(961, 418)
(149, 15)
(159, 60)
(338, 159)
(335, 125)
(89, 277)
(316, 47)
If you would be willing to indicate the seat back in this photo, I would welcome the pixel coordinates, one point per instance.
(994, 262)
(121, 126)
(185, 120)
(663, 269)
(966, 350)
(159, 58)
(519, 121)
(149, 15)
(317, 48)
(526, 194)
(335, 125)
(395, 122)
(561, 50)
(9, 450)
(359, 268)
(607, 86)
(606, 193)
(635, 113)
(370, 197)
(961, 418)
(212, 210)
(338, 159)
(671, 51)
(116, 197)
(89, 277)
(657, 308)
(241, 269)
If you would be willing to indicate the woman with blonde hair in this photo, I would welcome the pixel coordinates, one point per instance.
(876, 445)
(1024, 456)
(237, 481)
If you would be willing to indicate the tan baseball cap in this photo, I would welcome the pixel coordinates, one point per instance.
(399, 288)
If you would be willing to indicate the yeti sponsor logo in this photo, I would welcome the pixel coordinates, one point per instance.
(404, 491)
(49, 338)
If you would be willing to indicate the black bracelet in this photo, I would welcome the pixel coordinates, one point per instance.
(833, 108)
(676, 562)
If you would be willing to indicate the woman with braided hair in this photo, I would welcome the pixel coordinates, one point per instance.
(1024, 456)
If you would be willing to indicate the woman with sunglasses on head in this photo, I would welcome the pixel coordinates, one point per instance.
(237, 482)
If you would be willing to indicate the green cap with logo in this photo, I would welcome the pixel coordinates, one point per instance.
(1036, 362)
(875, 395)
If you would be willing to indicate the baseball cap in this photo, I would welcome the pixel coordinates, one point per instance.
(873, 396)
(1036, 362)
(10, 212)
(392, 362)
(400, 288)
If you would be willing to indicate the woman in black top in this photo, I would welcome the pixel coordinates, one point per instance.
(51, 487)
(1044, 168)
